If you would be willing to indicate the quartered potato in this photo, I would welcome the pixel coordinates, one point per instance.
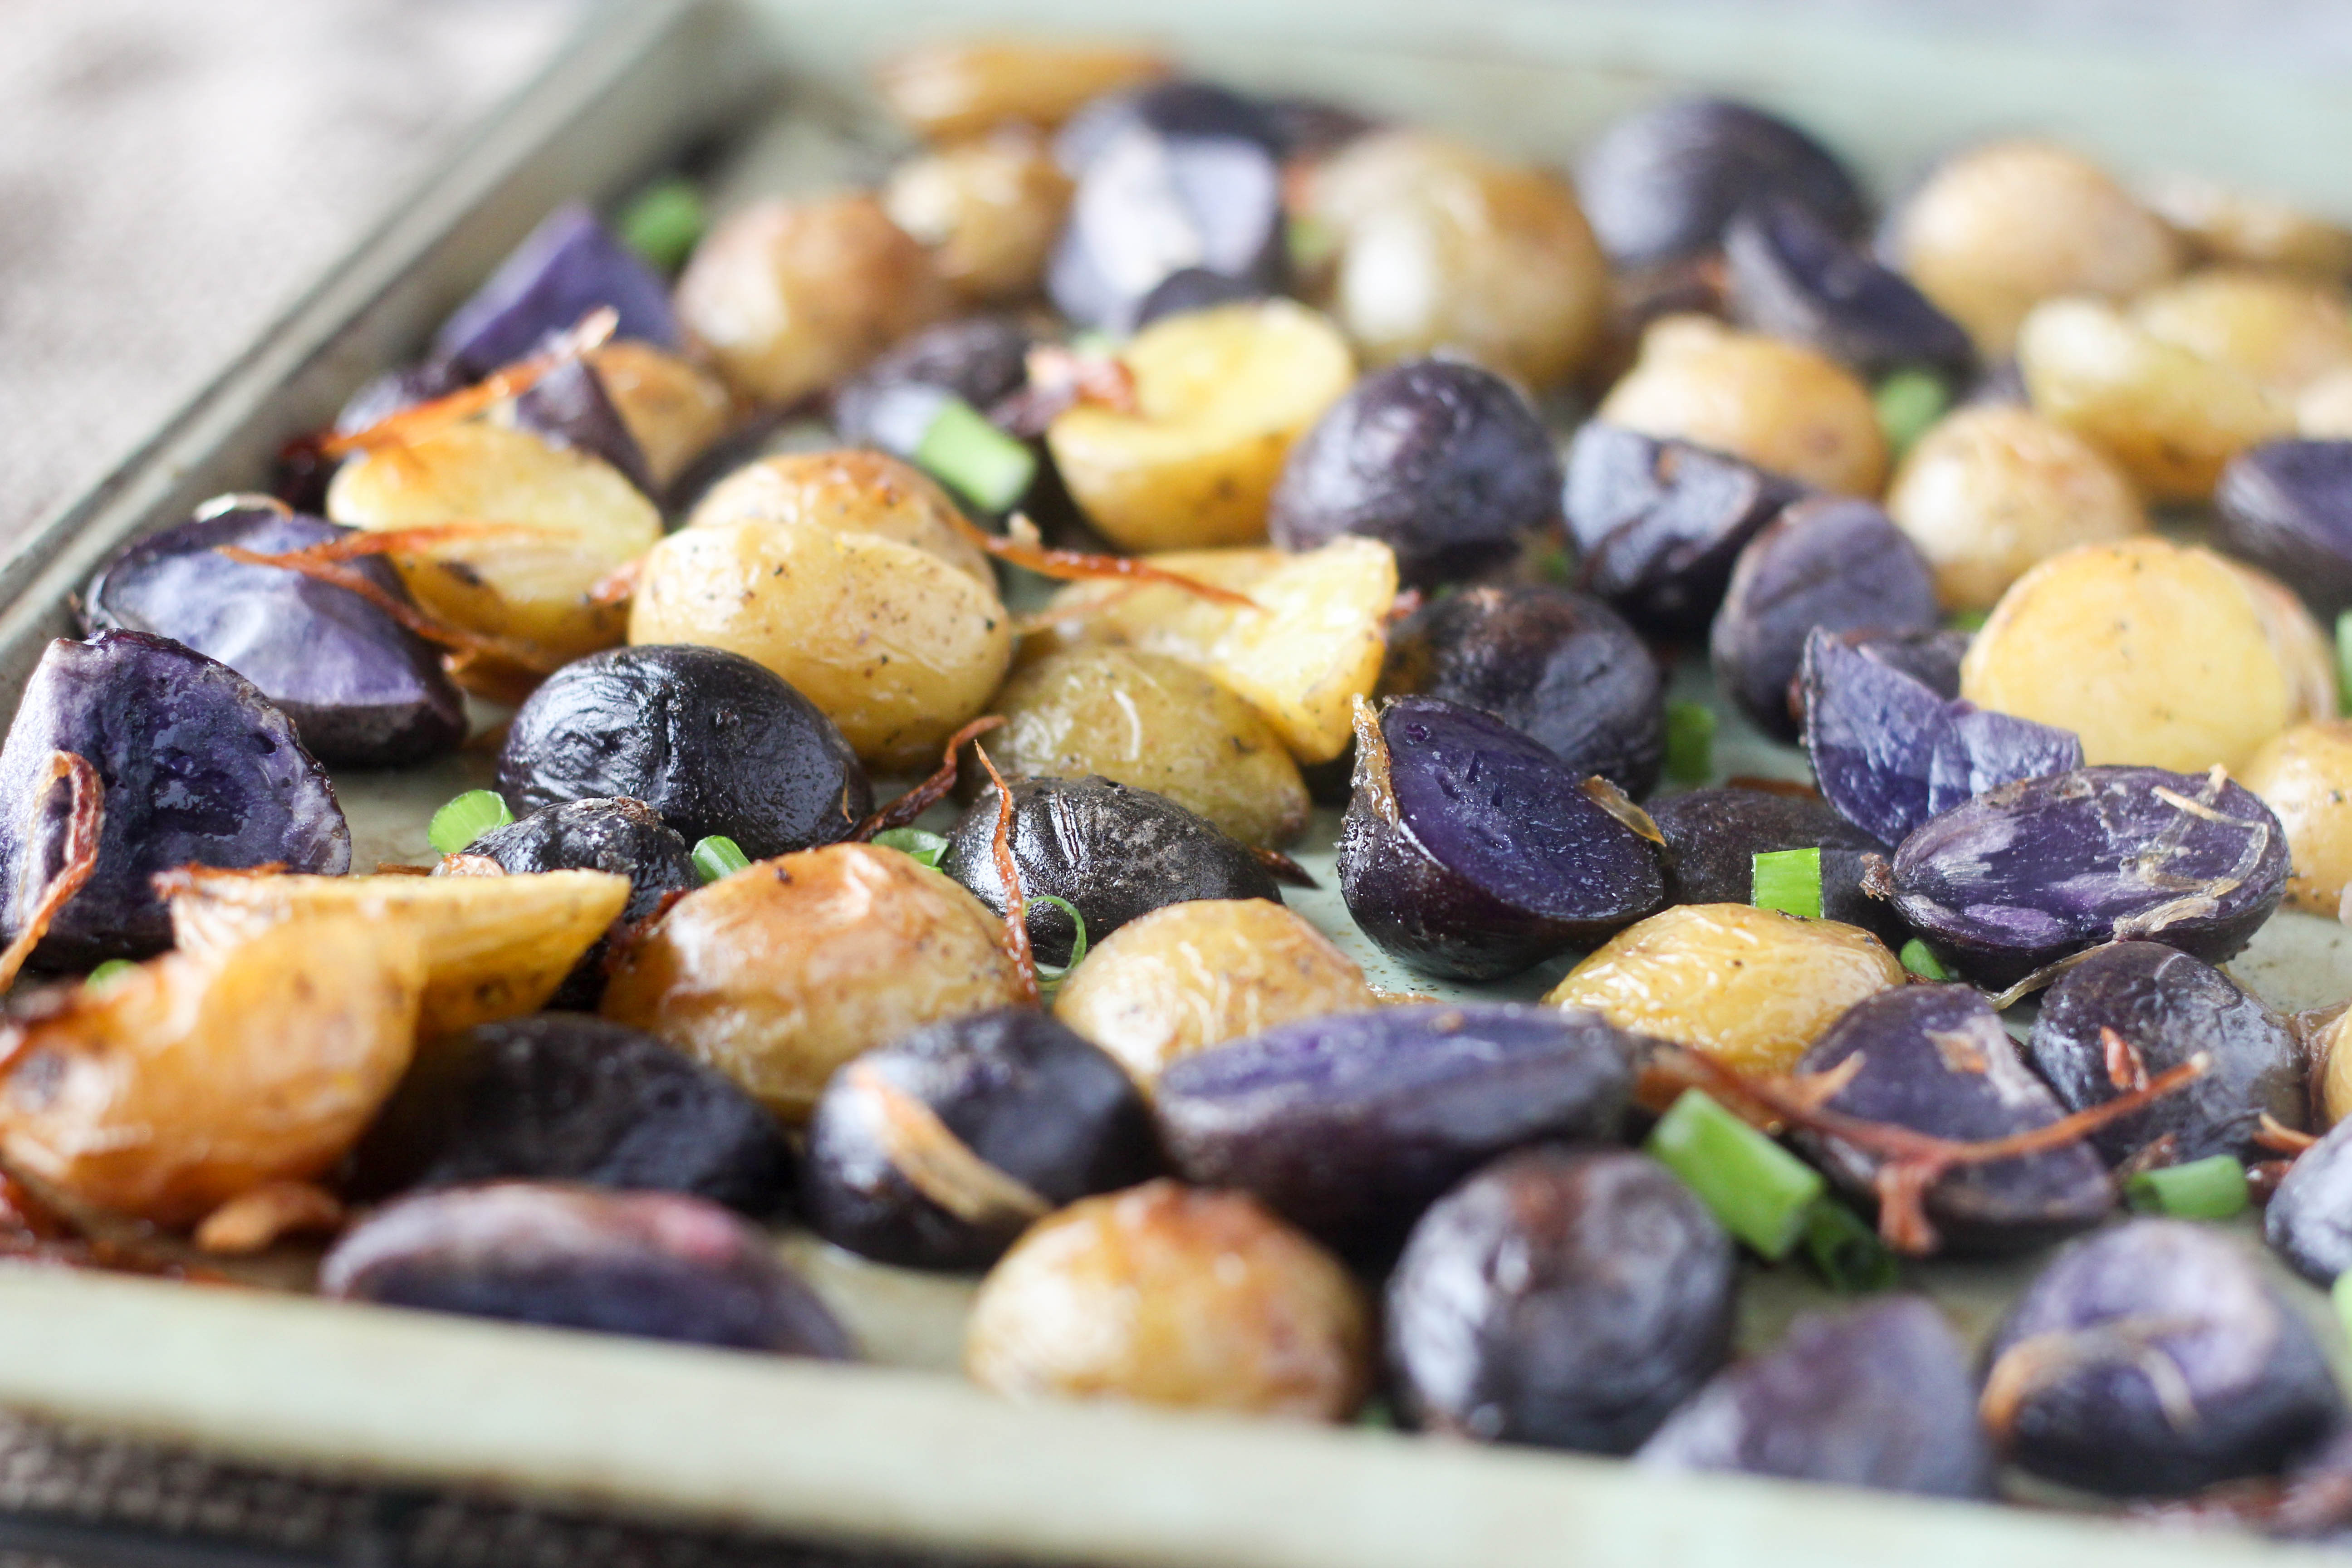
(164, 1091)
(1312, 644)
(2304, 776)
(949, 91)
(846, 490)
(2285, 332)
(569, 519)
(674, 408)
(897, 647)
(1155, 723)
(1220, 396)
(495, 947)
(987, 209)
(778, 975)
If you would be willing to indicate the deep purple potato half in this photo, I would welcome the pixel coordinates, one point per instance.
(567, 408)
(1935, 1060)
(2309, 1219)
(1931, 658)
(361, 690)
(1793, 277)
(199, 769)
(2155, 1360)
(1878, 1397)
(2286, 506)
(1349, 1126)
(570, 265)
(1713, 836)
(1661, 184)
(982, 359)
(382, 396)
(2028, 873)
(1470, 850)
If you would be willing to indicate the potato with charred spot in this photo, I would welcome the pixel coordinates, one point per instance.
(673, 409)
(846, 490)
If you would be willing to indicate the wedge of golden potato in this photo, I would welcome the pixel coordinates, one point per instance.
(674, 409)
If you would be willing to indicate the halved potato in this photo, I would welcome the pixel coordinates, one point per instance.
(951, 91)
(2285, 332)
(494, 946)
(164, 1091)
(674, 408)
(989, 209)
(847, 490)
(1220, 395)
(1312, 645)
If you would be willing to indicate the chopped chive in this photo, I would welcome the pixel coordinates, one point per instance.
(1077, 943)
(718, 855)
(1094, 343)
(1758, 1190)
(1788, 881)
(107, 973)
(467, 818)
(1908, 401)
(2344, 663)
(1846, 1251)
(663, 224)
(927, 847)
(1690, 741)
(1965, 620)
(1921, 962)
(2210, 1188)
(1310, 241)
(963, 451)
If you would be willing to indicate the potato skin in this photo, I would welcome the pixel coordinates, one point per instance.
(1191, 975)
(951, 91)
(846, 490)
(675, 409)
(1169, 1296)
(779, 973)
(1752, 988)
(1152, 722)
(989, 209)
(2283, 331)
(2304, 776)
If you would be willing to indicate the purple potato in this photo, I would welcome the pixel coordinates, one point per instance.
(1889, 752)
(1471, 851)
(1313, 127)
(1555, 665)
(1189, 288)
(2309, 1220)
(382, 396)
(1713, 836)
(1877, 1396)
(1441, 460)
(938, 1149)
(2286, 506)
(1935, 1060)
(199, 769)
(567, 408)
(1658, 525)
(361, 690)
(1567, 1298)
(1182, 109)
(2168, 1006)
(1930, 657)
(657, 1265)
(888, 405)
(1793, 277)
(1829, 561)
(2028, 873)
(563, 1096)
(619, 835)
(1349, 1126)
(567, 266)
(2153, 1360)
(710, 741)
(1661, 184)
(1112, 850)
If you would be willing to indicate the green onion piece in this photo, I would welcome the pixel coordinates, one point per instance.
(107, 973)
(1094, 343)
(718, 855)
(1908, 401)
(980, 463)
(1690, 741)
(1921, 962)
(1310, 241)
(2342, 1294)
(2210, 1188)
(1965, 620)
(2344, 663)
(467, 818)
(927, 847)
(1847, 1252)
(1758, 1190)
(663, 224)
(1377, 1416)
(1788, 881)
(1077, 943)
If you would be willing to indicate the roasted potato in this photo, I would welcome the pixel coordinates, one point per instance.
(989, 210)
(164, 1091)
(675, 409)
(846, 490)
(2323, 410)
(779, 973)
(2304, 776)
(2248, 229)
(2285, 332)
(1220, 396)
(951, 91)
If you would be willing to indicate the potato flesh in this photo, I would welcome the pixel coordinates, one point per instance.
(894, 645)
(847, 490)
(170, 1090)
(2250, 229)
(674, 409)
(949, 91)
(2282, 331)
(1311, 646)
(781, 972)
(577, 519)
(2304, 776)
(2154, 653)
(1750, 987)
(1187, 976)
(1782, 407)
(495, 946)
(1220, 395)
(989, 210)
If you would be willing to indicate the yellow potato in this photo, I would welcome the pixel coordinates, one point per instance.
(2324, 409)
(2334, 1064)
(1750, 987)
(169, 1089)
(1782, 407)
(2001, 227)
(1991, 488)
(674, 409)
(1220, 396)
(1187, 976)
(781, 972)
(495, 947)
(2304, 776)
(2154, 653)
(2240, 226)
(896, 647)
(990, 211)
(2172, 418)
(951, 91)
(575, 518)
(2284, 333)
(847, 490)
(1309, 643)
(789, 297)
